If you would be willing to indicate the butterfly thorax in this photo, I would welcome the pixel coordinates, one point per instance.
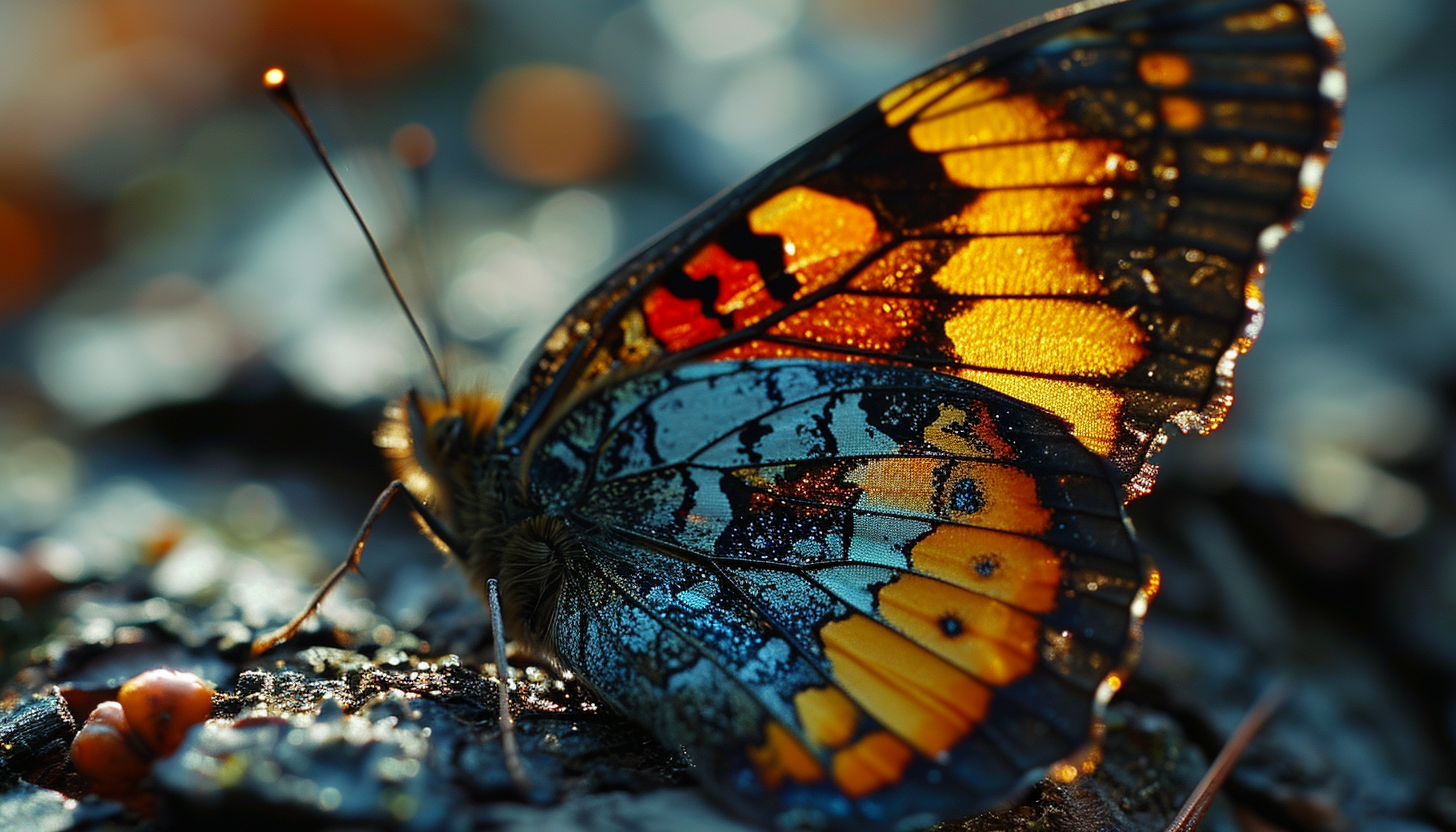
(443, 455)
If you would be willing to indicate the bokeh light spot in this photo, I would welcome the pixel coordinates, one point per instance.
(412, 145)
(547, 124)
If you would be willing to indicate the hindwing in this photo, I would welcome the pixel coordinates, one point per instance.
(836, 585)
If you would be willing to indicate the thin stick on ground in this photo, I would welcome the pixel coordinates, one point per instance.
(1196, 806)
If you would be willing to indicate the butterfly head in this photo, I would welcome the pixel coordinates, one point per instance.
(439, 450)
(431, 445)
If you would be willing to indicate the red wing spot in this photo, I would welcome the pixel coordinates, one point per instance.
(819, 485)
(742, 300)
(742, 293)
(679, 323)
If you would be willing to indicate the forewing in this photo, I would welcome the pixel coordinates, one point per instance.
(1076, 215)
(837, 585)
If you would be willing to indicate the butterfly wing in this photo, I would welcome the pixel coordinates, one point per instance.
(854, 594)
(846, 451)
(1076, 215)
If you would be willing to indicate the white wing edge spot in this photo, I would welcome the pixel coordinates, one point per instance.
(1323, 26)
(1271, 237)
(1334, 85)
(1312, 173)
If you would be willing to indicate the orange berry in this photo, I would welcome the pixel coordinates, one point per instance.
(107, 753)
(162, 704)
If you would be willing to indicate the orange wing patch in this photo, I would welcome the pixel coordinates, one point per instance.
(1164, 69)
(865, 323)
(823, 235)
(898, 270)
(968, 434)
(828, 716)
(992, 641)
(910, 690)
(1018, 570)
(987, 494)
(781, 757)
(876, 761)
(1181, 113)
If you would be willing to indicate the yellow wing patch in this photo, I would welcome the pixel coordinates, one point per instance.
(1064, 162)
(1262, 20)
(1027, 211)
(1017, 118)
(1019, 265)
(1094, 412)
(1054, 337)
(905, 100)
(974, 91)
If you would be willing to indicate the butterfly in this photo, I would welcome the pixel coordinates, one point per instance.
(825, 486)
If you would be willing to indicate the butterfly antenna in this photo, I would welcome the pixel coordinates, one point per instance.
(514, 764)
(276, 82)
(1196, 806)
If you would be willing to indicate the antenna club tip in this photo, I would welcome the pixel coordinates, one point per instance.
(274, 78)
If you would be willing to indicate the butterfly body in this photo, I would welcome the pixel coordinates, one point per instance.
(825, 486)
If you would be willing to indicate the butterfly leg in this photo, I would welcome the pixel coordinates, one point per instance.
(273, 638)
(514, 764)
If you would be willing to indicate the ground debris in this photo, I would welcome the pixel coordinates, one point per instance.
(1147, 765)
(383, 714)
(396, 740)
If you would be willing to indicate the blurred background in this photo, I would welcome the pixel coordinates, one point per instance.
(195, 344)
